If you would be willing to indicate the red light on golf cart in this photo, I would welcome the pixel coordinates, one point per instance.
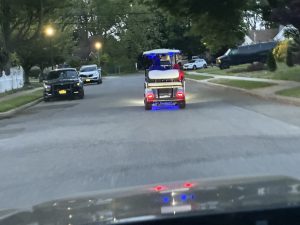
(180, 94)
(159, 188)
(181, 75)
(150, 96)
(188, 185)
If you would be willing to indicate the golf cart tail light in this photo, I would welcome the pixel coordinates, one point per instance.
(188, 185)
(159, 188)
(180, 94)
(150, 96)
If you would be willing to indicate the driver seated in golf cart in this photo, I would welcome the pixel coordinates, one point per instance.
(163, 65)
(164, 81)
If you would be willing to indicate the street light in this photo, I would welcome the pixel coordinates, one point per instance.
(49, 31)
(98, 47)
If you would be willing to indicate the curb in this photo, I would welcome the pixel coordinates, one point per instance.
(12, 112)
(281, 99)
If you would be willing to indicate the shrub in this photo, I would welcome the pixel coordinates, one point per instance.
(35, 72)
(238, 70)
(271, 62)
(257, 66)
(74, 62)
(289, 58)
(280, 51)
(294, 47)
(15, 60)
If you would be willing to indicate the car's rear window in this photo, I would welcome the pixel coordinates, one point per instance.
(65, 74)
(88, 69)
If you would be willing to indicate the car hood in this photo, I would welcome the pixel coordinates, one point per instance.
(61, 81)
(203, 197)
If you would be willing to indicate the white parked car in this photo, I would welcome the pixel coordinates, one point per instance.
(195, 64)
(195, 57)
(90, 74)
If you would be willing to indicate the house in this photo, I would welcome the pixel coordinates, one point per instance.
(259, 36)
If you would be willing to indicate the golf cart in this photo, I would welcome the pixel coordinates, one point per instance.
(164, 81)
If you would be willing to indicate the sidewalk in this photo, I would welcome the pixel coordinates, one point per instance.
(267, 92)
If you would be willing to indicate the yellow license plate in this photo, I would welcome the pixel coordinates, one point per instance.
(62, 92)
(88, 80)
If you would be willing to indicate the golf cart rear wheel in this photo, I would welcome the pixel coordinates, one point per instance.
(148, 106)
(182, 105)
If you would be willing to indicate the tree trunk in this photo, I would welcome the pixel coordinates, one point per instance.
(26, 75)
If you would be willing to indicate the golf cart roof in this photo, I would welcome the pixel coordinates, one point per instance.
(162, 52)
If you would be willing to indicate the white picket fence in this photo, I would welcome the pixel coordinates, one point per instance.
(13, 81)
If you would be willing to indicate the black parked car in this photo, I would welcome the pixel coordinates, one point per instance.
(245, 54)
(63, 83)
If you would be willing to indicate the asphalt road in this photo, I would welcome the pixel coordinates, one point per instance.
(107, 140)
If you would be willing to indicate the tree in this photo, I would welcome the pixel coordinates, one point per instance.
(294, 45)
(285, 12)
(253, 16)
(38, 51)
(289, 58)
(4, 58)
(271, 62)
(218, 22)
(21, 23)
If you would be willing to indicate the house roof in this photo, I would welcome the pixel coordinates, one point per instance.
(263, 35)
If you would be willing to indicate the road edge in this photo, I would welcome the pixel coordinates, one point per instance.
(281, 99)
(14, 111)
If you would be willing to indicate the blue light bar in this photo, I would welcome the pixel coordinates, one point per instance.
(166, 199)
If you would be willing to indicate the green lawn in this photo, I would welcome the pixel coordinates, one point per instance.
(293, 92)
(20, 100)
(282, 73)
(216, 70)
(197, 77)
(242, 83)
(26, 87)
